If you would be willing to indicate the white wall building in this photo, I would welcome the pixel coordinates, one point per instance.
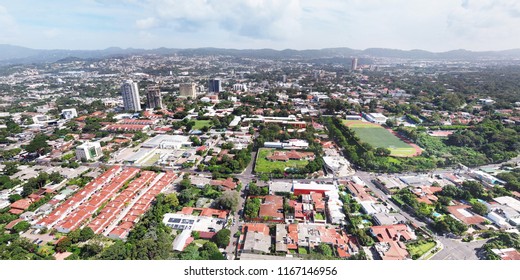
(376, 118)
(69, 113)
(88, 151)
(239, 87)
(130, 93)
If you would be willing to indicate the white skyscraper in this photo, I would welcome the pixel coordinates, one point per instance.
(130, 93)
(354, 64)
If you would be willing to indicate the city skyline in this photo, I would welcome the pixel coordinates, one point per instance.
(295, 24)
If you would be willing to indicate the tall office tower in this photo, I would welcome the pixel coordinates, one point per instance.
(354, 64)
(130, 93)
(188, 90)
(215, 85)
(153, 97)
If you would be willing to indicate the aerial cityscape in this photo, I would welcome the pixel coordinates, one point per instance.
(250, 153)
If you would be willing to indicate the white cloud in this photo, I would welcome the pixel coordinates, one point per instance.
(268, 19)
(146, 23)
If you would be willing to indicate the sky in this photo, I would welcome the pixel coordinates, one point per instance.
(434, 25)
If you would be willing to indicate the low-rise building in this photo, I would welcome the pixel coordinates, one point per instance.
(255, 238)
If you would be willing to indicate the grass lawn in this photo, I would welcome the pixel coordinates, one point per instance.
(319, 216)
(199, 124)
(200, 242)
(151, 159)
(302, 251)
(379, 137)
(420, 249)
(263, 165)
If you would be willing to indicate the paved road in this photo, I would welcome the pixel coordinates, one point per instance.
(367, 178)
(245, 179)
(457, 250)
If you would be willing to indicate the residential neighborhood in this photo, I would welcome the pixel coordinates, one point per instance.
(210, 157)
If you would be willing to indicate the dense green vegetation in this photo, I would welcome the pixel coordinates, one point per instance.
(490, 137)
(487, 142)
(500, 240)
(512, 179)
(229, 165)
(252, 208)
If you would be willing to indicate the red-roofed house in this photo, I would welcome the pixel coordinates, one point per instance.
(461, 213)
(20, 206)
(224, 184)
(399, 232)
(271, 209)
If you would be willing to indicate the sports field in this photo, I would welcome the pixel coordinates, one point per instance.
(379, 137)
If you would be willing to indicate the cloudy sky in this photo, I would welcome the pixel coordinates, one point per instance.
(437, 25)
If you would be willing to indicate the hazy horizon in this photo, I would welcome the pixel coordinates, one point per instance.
(436, 26)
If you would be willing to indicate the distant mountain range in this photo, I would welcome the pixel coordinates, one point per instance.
(10, 54)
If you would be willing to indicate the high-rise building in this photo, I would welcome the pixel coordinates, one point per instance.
(188, 90)
(354, 64)
(215, 85)
(153, 97)
(240, 87)
(130, 93)
(88, 151)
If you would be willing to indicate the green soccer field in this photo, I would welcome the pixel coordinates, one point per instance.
(378, 137)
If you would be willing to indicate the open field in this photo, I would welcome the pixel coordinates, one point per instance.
(263, 165)
(379, 137)
(199, 124)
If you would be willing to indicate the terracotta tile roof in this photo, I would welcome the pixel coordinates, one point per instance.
(392, 232)
(272, 206)
(228, 183)
(359, 191)
(461, 212)
(22, 204)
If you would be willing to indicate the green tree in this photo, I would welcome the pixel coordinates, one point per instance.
(324, 249)
(229, 200)
(21, 226)
(14, 197)
(86, 233)
(117, 251)
(38, 145)
(252, 208)
(63, 245)
(172, 201)
(209, 251)
(479, 208)
(191, 252)
(185, 183)
(222, 237)
(90, 250)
